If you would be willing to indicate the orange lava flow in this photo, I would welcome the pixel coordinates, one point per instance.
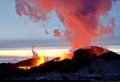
(24, 67)
(37, 62)
(41, 60)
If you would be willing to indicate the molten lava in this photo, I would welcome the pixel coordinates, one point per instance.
(24, 67)
(36, 61)
(40, 60)
(65, 56)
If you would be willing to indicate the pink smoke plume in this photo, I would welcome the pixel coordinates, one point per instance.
(57, 33)
(81, 18)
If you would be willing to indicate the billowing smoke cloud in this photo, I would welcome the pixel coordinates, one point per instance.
(80, 17)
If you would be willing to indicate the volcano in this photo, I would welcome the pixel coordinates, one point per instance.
(93, 63)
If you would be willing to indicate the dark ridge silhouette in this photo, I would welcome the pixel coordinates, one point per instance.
(83, 56)
(110, 56)
(64, 66)
(27, 62)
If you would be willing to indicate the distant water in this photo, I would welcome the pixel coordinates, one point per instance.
(9, 61)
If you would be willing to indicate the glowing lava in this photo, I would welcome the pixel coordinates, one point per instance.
(36, 61)
(65, 56)
(40, 60)
(24, 67)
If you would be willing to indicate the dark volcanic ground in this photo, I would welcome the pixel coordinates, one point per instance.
(94, 63)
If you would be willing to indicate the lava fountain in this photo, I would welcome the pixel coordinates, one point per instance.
(36, 61)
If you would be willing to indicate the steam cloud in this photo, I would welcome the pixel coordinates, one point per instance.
(81, 18)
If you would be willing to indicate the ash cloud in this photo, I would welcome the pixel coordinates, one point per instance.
(81, 18)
